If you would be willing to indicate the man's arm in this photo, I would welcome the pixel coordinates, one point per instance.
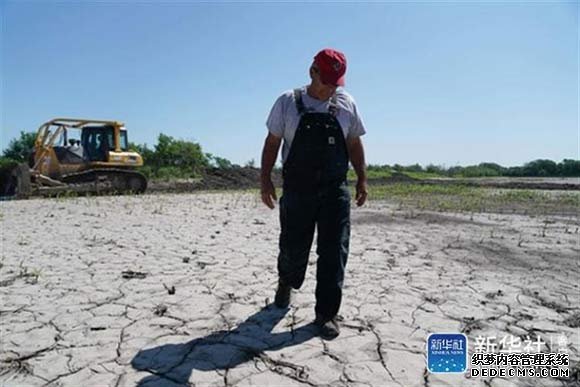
(269, 155)
(357, 158)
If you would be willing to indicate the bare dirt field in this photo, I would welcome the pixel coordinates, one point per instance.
(175, 290)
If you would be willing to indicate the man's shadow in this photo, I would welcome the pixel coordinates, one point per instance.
(173, 363)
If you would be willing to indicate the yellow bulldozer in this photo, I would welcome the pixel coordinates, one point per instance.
(79, 155)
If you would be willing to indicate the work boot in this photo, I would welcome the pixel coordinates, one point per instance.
(329, 328)
(283, 295)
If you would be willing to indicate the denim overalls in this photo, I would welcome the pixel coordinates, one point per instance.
(315, 193)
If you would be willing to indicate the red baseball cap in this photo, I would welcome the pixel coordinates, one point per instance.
(332, 66)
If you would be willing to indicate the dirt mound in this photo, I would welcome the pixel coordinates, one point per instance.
(217, 178)
(400, 178)
(393, 179)
(233, 178)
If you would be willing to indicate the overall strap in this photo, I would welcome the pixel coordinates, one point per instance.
(333, 105)
(299, 102)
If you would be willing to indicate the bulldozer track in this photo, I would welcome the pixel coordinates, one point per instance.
(99, 181)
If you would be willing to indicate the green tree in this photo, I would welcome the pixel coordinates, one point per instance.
(569, 168)
(541, 167)
(494, 167)
(437, 169)
(479, 171)
(514, 171)
(414, 168)
(187, 156)
(20, 149)
(222, 163)
(455, 171)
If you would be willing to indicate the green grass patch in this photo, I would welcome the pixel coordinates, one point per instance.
(371, 174)
(404, 190)
(461, 198)
(422, 175)
(384, 173)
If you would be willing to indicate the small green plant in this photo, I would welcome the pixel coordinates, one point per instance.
(22, 242)
(158, 210)
(30, 276)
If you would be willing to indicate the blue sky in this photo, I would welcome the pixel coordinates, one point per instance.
(448, 83)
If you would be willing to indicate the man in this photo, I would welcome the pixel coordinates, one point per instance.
(103, 147)
(321, 129)
(75, 147)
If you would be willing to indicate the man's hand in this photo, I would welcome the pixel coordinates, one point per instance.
(268, 193)
(357, 158)
(361, 192)
(269, 154)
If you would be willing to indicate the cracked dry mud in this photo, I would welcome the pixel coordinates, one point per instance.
(173, 290)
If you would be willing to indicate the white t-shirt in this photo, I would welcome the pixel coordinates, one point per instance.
(284, 118)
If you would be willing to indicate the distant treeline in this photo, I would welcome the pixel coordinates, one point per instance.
(175, 158)
(536, 168)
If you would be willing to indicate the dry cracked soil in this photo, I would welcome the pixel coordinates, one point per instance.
(176, 290)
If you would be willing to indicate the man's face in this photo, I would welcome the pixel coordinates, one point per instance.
(326, 90)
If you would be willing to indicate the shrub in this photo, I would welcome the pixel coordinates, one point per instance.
(20, 148)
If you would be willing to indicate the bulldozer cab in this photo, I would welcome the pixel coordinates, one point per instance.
(68, 150)
(98, 141)
(94, 144)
